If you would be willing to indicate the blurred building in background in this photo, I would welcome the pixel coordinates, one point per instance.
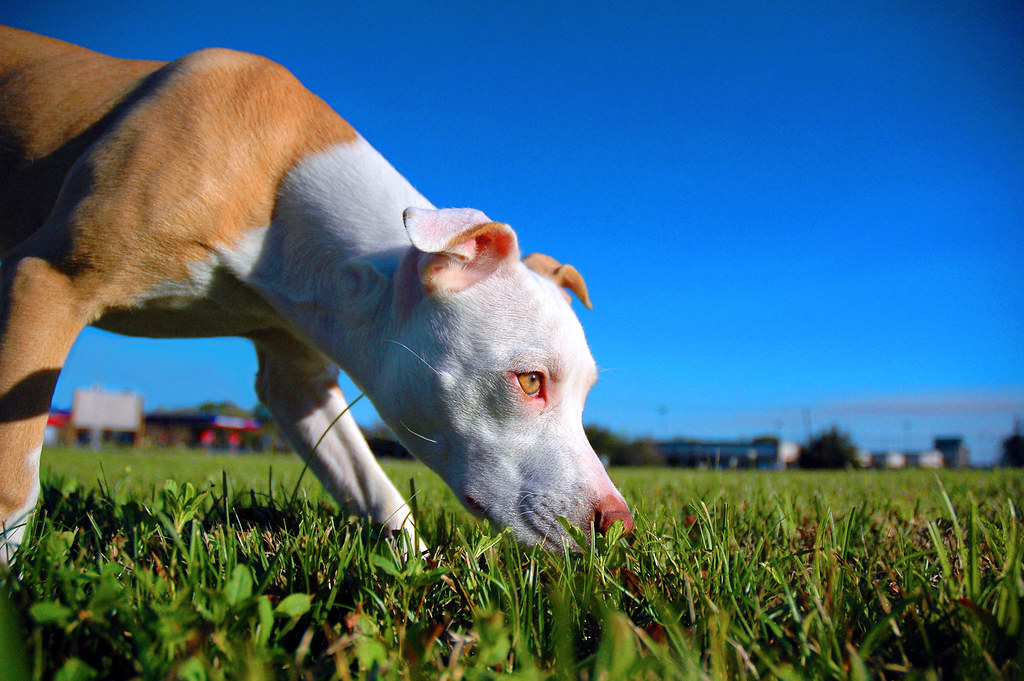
(98, 417)
(954, 452)
(196, 429)
(766, 454)
(946, 452)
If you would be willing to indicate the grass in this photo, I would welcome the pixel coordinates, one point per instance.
(222, 574)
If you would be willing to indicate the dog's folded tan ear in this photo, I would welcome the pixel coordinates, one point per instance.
(563, 275)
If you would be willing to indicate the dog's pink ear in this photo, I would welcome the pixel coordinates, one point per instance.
(459, 246)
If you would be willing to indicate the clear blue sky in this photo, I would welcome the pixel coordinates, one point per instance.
(786, 212)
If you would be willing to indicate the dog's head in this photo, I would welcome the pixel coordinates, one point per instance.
(487, 373)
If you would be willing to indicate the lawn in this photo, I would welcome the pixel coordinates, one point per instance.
(198, 567)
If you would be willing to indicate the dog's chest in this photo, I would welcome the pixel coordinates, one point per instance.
(211, 301)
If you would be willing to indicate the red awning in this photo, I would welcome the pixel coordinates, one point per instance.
(58, 419)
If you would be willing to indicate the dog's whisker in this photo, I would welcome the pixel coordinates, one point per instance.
(413, 353)
(422, 437)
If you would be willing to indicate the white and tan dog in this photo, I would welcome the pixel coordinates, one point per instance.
(215, 195)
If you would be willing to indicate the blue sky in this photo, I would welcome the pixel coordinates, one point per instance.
(788, 214)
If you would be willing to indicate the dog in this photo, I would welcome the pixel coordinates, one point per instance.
(216, 196)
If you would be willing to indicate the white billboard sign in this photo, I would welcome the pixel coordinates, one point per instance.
(99, 409)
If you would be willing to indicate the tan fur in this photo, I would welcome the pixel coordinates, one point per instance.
(53, 96)
(39, 323)
(116, 176)
(563, 275)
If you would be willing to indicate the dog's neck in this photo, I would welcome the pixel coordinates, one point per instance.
(329, 258)
(348, 200)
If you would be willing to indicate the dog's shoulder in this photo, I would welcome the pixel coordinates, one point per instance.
(192, 161)
(56, 100)
(199, 144)
(59, 98)
(216, 131)
(229, 94)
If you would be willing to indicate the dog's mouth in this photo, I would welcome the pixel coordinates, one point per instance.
(537, 524)
(540, 522)
(474, 506)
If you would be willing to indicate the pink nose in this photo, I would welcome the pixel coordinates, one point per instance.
(610, 509)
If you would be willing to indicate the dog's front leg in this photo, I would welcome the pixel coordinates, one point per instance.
(40, 317)
(301, 390)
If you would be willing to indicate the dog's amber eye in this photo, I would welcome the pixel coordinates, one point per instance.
(530, 382)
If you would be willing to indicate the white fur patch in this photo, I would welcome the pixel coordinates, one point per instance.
(14, 527)
(335, 206)
(352, 197)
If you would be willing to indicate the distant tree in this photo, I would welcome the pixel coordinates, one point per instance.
(831, 449)
(261, 412)
(619, 451)
(1013, 450)
(222, 409)
(608, 445)
(645, 452)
